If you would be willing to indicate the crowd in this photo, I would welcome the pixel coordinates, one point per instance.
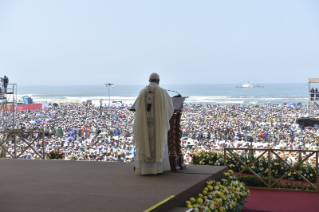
(105, 134)
(258, 126)
(80, 132)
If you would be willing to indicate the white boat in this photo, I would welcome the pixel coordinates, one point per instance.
(248, 85)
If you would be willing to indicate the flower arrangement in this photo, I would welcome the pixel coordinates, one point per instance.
(208, 158)
(260, 166)
(55, 154)
(228, 194)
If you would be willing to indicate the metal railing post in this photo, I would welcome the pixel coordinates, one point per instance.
(15, 145)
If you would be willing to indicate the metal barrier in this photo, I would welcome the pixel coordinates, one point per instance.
(293, 168)
(17, 133)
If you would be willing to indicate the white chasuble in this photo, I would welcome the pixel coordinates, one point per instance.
(153, 110)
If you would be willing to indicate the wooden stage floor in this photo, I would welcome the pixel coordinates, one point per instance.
(56, 185)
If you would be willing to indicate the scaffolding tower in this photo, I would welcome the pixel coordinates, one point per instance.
(8, 107)
(313, 97)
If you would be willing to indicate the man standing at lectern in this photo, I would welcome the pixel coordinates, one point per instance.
(154, 108)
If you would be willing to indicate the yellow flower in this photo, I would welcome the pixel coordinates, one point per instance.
(195, 206)
(200, 201)
(188, 203)
(211, 207)
(205, 197)
(222, 209)
(189, 206)
(200, 195)
(212, 156)
(248, 161)
(204, 192)
(311, 175)
(192, 199)
(230, 206)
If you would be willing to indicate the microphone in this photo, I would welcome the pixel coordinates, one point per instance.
(179, 95)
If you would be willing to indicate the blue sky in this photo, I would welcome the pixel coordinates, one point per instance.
(93, 42)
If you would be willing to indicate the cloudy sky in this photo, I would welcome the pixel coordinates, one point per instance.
(74, 42)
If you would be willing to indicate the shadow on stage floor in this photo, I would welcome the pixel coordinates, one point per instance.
(56, 185)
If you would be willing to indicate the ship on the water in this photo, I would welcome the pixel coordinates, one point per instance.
(248, 85)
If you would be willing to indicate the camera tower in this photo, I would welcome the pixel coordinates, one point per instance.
(8, 107)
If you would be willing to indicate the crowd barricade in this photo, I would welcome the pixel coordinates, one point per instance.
(25, 144)
(271, 182)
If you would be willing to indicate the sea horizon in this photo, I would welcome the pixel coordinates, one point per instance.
(276, 93)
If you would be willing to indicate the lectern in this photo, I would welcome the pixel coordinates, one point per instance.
(176, 157)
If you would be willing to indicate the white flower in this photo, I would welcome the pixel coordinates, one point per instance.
(204, 209)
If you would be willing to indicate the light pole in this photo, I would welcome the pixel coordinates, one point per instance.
(101, 106)
(108, 85)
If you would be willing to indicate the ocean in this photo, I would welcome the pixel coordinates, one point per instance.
(200, 94)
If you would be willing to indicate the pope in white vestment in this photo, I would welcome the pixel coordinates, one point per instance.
(154, 108)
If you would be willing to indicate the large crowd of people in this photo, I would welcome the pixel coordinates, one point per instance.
(105, 134)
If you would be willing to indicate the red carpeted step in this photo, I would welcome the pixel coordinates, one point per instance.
(281, 201)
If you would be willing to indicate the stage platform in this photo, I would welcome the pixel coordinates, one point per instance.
(56, 185)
